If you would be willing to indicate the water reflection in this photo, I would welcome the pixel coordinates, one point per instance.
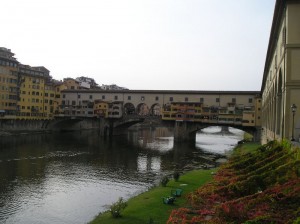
(71, 177)
(211, 139)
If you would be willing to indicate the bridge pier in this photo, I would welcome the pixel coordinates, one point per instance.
(182, 132)
(257, 135)
(224, 129)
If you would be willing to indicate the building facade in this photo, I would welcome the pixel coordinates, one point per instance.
(281, 78)
(9, 88)
(35, 94)
(25, 92)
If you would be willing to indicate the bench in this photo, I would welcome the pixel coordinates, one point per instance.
(168, 200)
(176, 192)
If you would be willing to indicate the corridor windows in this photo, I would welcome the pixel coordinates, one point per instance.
(171, 99)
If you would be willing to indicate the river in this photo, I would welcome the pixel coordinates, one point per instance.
(71, 177)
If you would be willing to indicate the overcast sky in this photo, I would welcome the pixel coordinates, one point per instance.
(143, 44)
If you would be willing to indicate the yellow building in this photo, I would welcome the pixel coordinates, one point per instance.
(8, 84)
(50, 98)
(182, 111)
(101, 108)
(32, 92)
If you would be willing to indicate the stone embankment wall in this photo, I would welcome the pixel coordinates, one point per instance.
(11, 126)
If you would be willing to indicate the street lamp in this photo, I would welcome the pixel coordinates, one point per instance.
(294, 108)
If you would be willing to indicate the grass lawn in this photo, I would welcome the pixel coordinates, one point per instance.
(149, 205)
(247, 147)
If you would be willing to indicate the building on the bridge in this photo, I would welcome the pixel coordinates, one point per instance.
(281, 79)
(182, 111)
(236, 107)
(8, 83)
(101, 108)
(115, 109)
(236, 114)
(107, 109)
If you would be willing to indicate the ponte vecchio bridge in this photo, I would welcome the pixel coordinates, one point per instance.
(191, 110)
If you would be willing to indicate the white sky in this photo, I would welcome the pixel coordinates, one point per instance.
(143, 44)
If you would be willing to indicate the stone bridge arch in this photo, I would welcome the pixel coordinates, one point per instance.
(186, 131)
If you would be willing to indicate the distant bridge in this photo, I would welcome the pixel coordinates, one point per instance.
(241, 109)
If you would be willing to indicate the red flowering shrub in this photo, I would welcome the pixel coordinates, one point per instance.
(263, 187)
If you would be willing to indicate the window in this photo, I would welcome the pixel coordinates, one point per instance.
(217, 100)
(116, 97)
(91, 97)
(201, 100)
(186, 99)
(171, 98)
(128, 97)
(64, 95)
(157, 98)
(233, 100)
(142, 98)
(103, 97)
(250, 100)
(73, 102)
(78, 96)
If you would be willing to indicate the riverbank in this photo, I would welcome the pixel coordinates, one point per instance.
(148, 207)
(259, 184)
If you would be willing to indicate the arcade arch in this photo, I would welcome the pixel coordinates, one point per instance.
(279, 103)
(129, 109)
(155, 110)
(142, 109)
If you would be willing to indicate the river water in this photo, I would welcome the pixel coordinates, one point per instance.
(71, 177)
